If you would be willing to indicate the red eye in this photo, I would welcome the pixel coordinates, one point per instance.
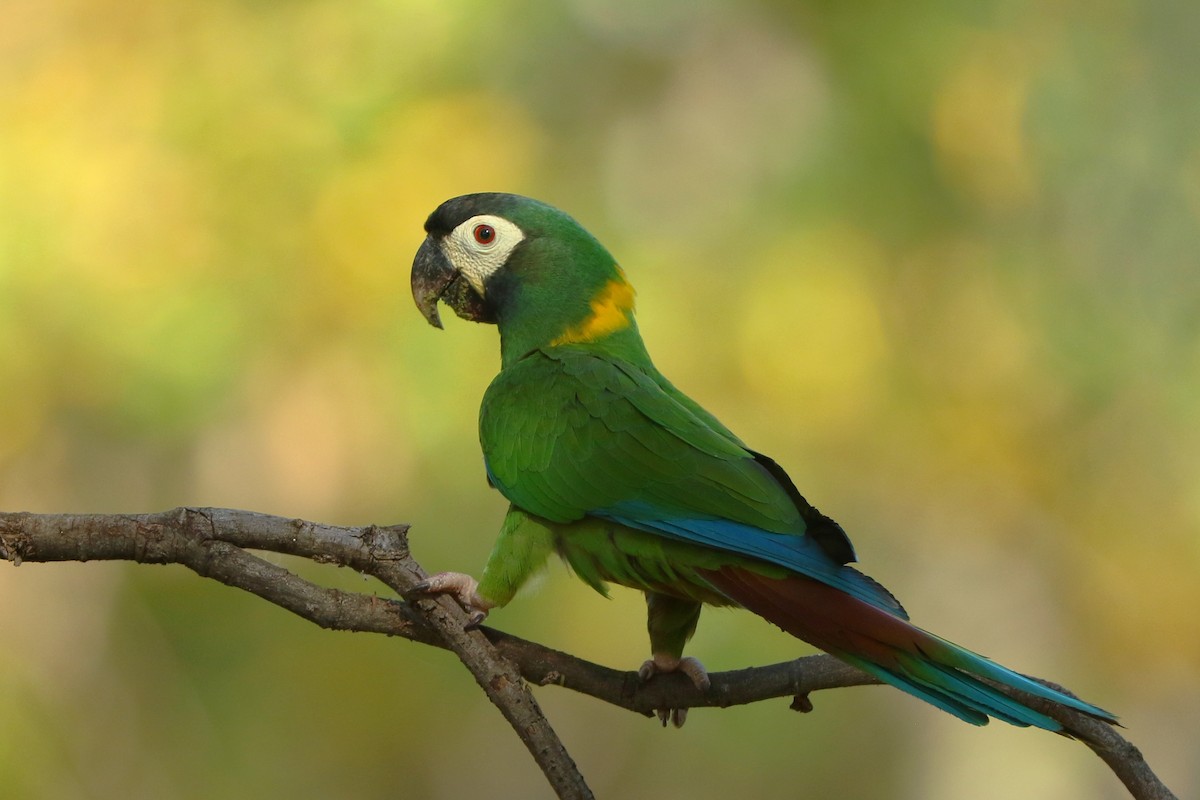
(485, 234)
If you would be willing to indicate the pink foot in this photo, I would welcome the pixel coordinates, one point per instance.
(689, 666)
(462, 588)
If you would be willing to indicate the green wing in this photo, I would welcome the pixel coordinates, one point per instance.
(566, 433)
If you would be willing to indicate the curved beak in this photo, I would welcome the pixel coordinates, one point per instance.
(432, 273)
(434, 278)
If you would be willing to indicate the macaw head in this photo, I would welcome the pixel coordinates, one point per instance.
(522, 265)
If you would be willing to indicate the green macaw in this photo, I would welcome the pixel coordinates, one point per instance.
(630, 481)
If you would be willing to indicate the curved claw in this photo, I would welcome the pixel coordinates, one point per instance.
(675, 716)
(689, 666)
(462, 588)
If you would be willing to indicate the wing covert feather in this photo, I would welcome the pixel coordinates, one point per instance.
(568, 434)
(586, 434)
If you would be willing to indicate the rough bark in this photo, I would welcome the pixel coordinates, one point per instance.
(215, 543)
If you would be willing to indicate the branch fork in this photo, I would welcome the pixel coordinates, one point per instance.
(215, 543)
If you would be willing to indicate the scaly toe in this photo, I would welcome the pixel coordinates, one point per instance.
(687, 665)
(675, 716)
(462, 588)
(696, 671)
(667, 663)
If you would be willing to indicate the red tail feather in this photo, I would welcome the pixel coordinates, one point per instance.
(942, 673)
(821, 615)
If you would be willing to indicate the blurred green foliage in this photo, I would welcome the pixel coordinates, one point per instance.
(939, 259)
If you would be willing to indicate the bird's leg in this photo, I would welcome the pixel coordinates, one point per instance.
(461, 587)
(523, 546)
(671, 621)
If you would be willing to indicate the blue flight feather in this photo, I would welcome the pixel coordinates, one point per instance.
(799, 553)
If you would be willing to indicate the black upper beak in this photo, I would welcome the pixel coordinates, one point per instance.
(434, 278)
(432, 273)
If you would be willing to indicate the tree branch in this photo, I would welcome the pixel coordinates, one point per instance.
(214, 544)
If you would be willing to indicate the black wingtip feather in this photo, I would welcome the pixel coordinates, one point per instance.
(823, 530)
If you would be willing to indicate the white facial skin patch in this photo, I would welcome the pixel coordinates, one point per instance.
(480, 246)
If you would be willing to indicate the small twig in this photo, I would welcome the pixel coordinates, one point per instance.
(214, 543)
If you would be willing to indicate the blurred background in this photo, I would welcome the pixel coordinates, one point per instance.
(938, 259)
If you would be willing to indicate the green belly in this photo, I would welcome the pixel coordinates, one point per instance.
(602, 552)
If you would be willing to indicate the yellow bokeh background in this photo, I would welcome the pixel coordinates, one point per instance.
(940, 260)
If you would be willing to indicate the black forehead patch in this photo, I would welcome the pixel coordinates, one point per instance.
(454, 212)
